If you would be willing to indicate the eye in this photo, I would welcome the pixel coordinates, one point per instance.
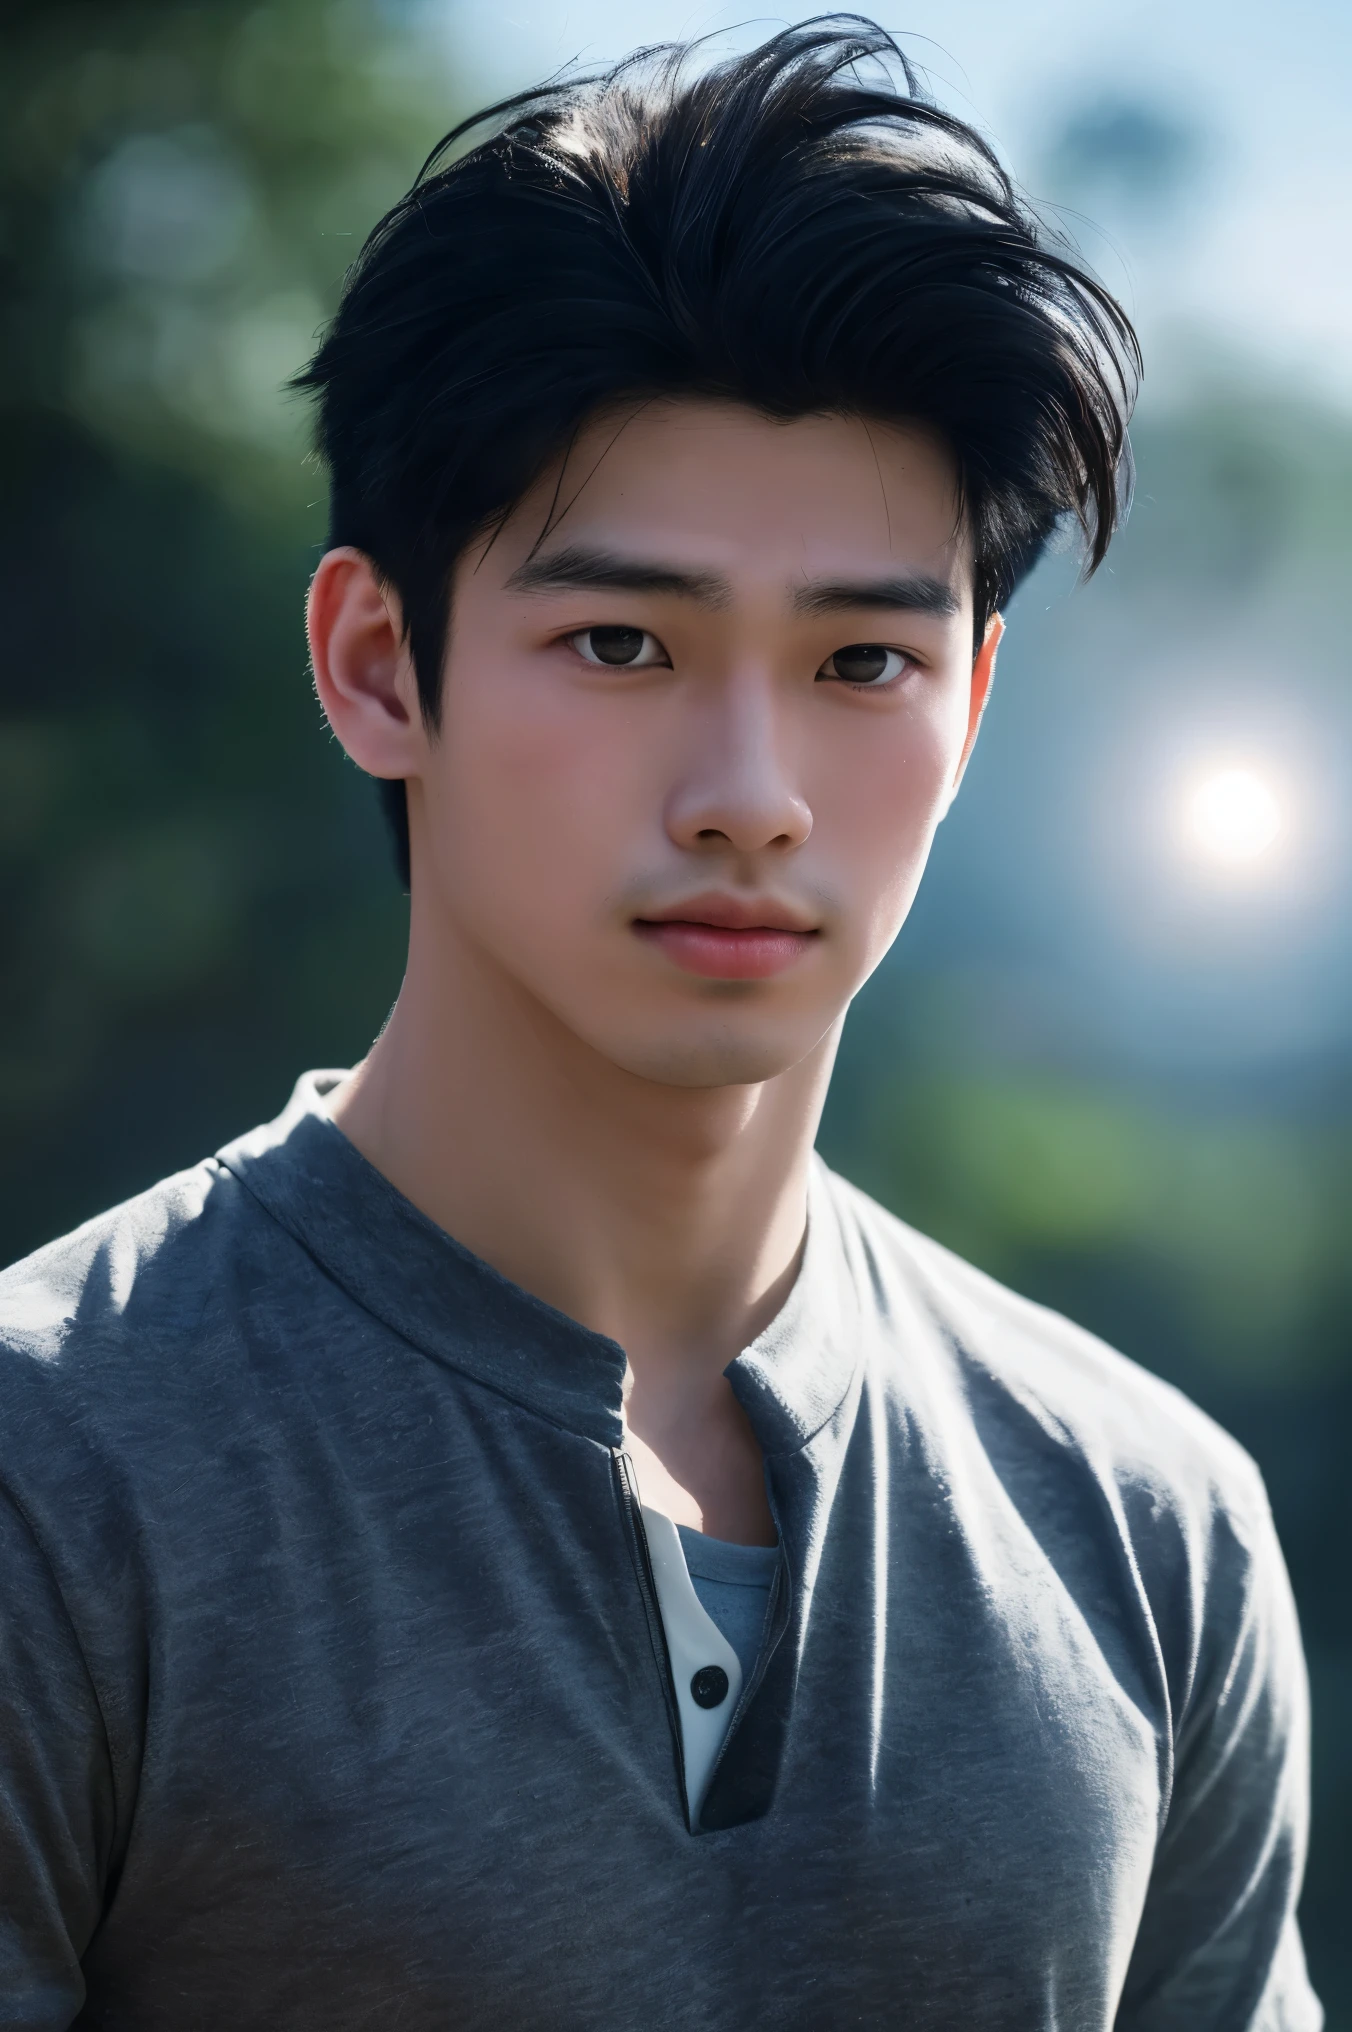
(865, 663)
(620, 648)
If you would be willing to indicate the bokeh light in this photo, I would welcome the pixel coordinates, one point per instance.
(1233, 817)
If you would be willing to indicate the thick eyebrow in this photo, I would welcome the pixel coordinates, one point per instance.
(578, 570)
(909, 595)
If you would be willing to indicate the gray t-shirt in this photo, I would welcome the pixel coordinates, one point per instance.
(332, 1693)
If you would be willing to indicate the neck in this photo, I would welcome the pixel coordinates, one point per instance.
(670, 1218)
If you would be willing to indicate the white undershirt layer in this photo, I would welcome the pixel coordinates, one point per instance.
(695, 1642)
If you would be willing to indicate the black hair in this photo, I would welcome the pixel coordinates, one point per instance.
(799, 229)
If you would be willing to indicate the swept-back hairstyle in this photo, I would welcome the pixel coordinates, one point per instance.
(799, 229)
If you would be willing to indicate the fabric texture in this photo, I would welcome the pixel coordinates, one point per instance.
(331, 1693)
(733, 1583)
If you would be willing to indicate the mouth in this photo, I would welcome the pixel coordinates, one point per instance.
(724, 939)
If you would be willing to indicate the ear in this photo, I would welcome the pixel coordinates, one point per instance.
(983, 674)
(363, 670)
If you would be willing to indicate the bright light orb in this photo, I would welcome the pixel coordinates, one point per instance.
(1233, 816)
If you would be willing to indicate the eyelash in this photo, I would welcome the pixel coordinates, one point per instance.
(578, 641)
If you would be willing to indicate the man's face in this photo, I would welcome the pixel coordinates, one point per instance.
(696, 738)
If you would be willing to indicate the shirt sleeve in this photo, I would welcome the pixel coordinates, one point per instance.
(1218, 1949)
(56, 1792)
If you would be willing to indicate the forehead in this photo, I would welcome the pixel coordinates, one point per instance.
(718, 485)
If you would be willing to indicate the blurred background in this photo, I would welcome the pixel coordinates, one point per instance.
(1111, 1057)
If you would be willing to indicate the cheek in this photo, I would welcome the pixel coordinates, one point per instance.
(532, 785)
(881, 795)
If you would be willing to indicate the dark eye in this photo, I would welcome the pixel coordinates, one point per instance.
(864, 663)
(626, 648)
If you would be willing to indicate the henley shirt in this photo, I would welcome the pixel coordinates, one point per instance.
(334, 1692)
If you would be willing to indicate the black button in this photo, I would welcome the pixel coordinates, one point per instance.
(709, 1687)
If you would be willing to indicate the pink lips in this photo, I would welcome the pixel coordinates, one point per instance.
(724, 939)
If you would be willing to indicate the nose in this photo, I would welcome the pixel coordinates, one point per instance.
(735, 785)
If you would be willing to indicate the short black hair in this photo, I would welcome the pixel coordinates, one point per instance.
(800, 229)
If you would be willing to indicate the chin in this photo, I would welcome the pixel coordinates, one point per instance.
(719, 1059)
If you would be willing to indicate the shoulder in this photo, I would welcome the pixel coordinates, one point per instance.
(103, 1319)
(171, 1267)
(1131, 1492)
(87, 1279)
(1033, 1381)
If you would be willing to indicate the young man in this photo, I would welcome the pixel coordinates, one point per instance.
(515, 1543)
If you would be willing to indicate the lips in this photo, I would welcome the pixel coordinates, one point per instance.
(726, 938)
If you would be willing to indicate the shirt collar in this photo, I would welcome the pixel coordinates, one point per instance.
(410, 1274)
(794, 1375)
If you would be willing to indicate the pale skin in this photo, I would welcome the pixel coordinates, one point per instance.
(651, 866)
